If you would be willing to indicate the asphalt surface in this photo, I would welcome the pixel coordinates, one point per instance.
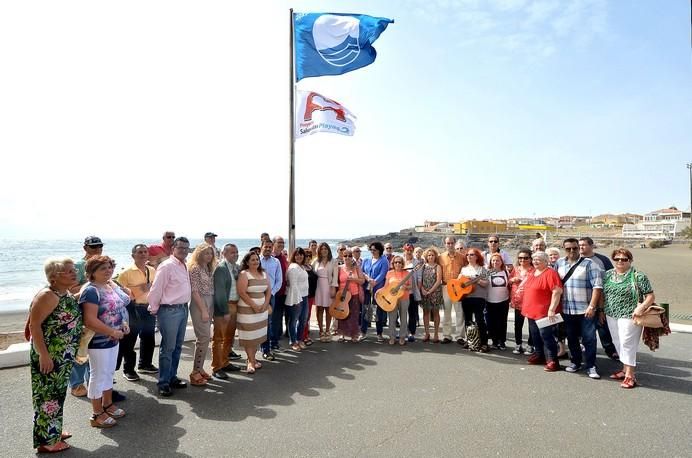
(370, 399)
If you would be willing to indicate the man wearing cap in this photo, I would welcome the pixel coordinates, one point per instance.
(79, 377)
(169, 297)
(159, 253)
(138, 279)
(210, 238)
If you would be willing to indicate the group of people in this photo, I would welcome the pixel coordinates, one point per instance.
(271, 293)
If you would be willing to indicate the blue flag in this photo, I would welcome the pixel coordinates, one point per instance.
(334, 43)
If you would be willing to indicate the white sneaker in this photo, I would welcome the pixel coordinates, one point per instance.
(518, 350)
(592, 373)
(572, 368)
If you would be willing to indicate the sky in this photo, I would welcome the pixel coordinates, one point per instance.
(124, 119)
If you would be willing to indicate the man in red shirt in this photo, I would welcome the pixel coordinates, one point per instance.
(161, 252)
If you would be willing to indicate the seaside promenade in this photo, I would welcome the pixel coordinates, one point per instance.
(370, 399)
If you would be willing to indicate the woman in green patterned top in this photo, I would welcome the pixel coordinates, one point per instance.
(627, 293)
(56, 325)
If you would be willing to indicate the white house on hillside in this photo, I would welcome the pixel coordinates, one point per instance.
(663, 224)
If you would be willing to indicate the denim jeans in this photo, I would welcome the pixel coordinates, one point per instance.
(266, 347)
(606, 338)
(294, 312)
(302, 318)
(172, 324)
(79, 375)
(580, 326)
(544, 341)
(277, 319)
(518, 329)
(412, 315)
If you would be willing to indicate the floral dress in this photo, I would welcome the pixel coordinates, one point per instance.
(434, 300)
(61, 332)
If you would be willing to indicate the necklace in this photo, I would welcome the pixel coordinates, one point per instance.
(58, 293)
(620, 277)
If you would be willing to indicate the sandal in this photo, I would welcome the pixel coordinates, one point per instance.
(114, 411)
(629, 383)
(64, 436)
(196, 379)
(204, 374)
(57, 447)
(426, 338)
(620, 375)
(295, 347)
(258, 365)
(107, 422)
(402, 342)
(391, 341)
(308, 342)
(302, 345)
(250, 369)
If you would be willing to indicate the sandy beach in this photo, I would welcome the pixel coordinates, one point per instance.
(668, 269)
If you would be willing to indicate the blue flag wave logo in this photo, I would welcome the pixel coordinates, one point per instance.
(333, 43)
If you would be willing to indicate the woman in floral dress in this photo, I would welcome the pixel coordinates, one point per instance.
(56, 325)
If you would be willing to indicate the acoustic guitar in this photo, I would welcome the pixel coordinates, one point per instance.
(388, 297)
(461, 287)
(339, 308)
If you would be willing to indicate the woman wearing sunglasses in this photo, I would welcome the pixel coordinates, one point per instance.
(627, 293)
(517, 280)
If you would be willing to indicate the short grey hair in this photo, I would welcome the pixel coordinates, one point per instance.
(540, 254)
(553, 250)
(54, 266)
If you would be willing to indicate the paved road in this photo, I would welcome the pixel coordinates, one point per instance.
(371, 399)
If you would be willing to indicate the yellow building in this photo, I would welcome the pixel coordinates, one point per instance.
(479, 227)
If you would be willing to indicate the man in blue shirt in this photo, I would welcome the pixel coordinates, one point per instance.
(586, 251)
(583, 285)
(272, 267)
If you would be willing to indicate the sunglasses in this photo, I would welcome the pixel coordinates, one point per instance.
(524, 258)
(621, 259)
(493, 241)
(470, 254)
(397, 262)
(95, 247)
(169, 237)
(573, 248)
(389, 248)
(348, 256)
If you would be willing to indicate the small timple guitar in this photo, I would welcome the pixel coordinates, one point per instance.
(339, 307)
(462, 286)
(388, 297)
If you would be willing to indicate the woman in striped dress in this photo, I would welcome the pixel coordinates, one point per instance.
(253, 308)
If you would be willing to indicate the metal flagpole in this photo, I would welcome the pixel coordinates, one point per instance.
(291, 185)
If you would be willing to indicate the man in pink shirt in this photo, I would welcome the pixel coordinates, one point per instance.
(168, 299)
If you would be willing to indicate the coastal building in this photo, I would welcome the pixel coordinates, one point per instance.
(608, 220)
(479, 227)
(443, 227)
(663, 224)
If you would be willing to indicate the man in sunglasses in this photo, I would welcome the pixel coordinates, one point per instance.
(494, 247)
(586, 251)
(161, 252)
(582, 288)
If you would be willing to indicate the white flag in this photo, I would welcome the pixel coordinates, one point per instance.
(316, 113)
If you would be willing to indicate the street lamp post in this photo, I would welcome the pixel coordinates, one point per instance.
(689, 167)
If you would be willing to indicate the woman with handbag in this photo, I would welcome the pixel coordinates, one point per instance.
(627, 295)
(56, 324)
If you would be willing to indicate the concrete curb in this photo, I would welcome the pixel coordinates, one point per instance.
(18, 354)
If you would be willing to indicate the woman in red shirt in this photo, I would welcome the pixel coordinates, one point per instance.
(542, 292)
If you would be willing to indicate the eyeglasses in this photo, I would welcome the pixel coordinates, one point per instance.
(348, 256)
(524, 258)
(571, 248)
(621, 259)
(342, 249)
(169, 237)
(397, 262)
(388, 248)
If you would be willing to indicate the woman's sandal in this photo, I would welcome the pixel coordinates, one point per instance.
(250, 369)
(114, 411)
(426, 338)
(57, 447)
(308, 342)
(620, 375)
(197, 379)
(65, 435)
(402, 342)
(629, 383)
(258, 365)
(204, 374)
(107, 422)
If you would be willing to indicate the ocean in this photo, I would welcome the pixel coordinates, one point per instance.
(21, 262)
